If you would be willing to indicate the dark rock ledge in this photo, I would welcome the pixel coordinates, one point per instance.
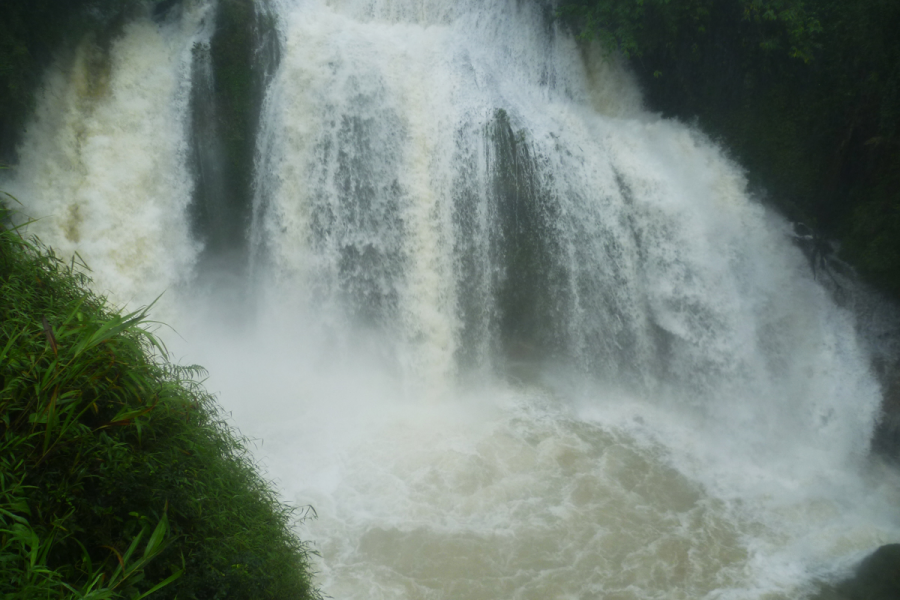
(877, 577)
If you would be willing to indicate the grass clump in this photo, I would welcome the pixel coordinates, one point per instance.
(118, 476)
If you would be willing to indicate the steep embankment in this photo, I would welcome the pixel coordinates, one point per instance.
(118, 475)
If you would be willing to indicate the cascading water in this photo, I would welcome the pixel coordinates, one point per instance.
(510, 335)
(104, 162)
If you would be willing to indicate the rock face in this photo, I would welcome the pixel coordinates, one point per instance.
(876, 578)
(886, 437)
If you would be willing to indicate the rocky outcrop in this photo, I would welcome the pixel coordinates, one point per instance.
(886, 437)
(876, 578)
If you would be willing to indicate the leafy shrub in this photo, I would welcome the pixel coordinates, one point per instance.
(118, 475)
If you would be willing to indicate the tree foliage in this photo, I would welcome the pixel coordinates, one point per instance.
(666, 27)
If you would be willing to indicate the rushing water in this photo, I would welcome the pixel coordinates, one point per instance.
(511, 335)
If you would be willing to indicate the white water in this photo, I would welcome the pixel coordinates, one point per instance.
(103, 166)
(688, 413)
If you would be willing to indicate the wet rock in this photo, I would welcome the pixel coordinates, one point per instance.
(162, 8)
(877, 578)
(886, 437)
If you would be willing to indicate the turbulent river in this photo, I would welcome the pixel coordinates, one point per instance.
(510, 335)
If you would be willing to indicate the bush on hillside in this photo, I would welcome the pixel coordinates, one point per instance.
(118, 475)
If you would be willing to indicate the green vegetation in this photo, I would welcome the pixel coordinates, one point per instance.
(804, 93)
(118, 476)
(664, 28)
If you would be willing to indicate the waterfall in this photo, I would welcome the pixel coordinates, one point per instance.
(103, 166)
(509, 333)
